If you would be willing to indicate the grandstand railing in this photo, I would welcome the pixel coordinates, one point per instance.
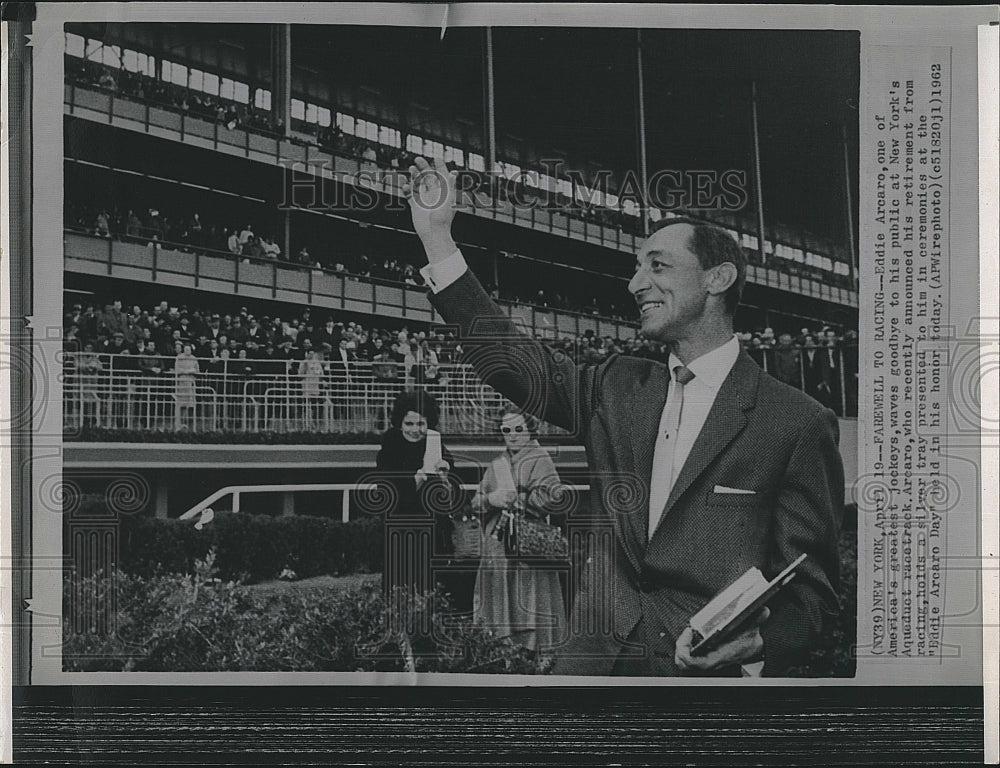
(186, 265)
(171, 120)
(109, 392)
(238, 491)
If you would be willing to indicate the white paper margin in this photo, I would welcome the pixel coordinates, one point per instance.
(907, 25)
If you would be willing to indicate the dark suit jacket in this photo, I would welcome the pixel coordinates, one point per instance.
(760, 435)
(340, 370)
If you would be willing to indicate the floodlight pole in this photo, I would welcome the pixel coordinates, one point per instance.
(850, 205)
(641, 119)
(756, 173)
(489, 111)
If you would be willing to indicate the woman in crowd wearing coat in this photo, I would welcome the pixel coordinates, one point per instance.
(515, 598)
(422, 495)
(312, 371)
(186, 369)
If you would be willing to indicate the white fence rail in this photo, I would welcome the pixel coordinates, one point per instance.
(249, 396)
(111, 391)
(237, 491)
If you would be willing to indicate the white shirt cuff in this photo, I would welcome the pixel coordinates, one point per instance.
(753, 670)
(443, 273)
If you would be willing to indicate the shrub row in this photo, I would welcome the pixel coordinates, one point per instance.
(188, 623)
(251, 547)
(835, 655)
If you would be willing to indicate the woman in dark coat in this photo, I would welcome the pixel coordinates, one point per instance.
(422, 494)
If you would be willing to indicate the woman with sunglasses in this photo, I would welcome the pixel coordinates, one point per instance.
(514, 598)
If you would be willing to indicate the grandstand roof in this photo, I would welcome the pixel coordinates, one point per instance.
(572, 90)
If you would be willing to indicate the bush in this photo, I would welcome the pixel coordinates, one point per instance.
(182, 623)
(252, 547)
(835, 657)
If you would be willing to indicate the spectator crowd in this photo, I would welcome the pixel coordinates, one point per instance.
(249, 242)
(314, 345)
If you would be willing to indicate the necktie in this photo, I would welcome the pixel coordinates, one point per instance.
(672, 419)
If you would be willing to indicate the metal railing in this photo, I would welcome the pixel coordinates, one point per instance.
(108, 391)
(112, 392)
(237, 491)
(835, 385)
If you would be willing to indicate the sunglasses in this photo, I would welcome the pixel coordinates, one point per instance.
(508, 430)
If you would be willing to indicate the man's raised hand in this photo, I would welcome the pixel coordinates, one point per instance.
(431, 192)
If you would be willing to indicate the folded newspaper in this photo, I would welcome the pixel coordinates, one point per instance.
(732, 608)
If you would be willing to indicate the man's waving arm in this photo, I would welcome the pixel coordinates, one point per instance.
(543, 381)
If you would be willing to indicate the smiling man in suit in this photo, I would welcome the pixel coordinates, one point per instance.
(704, 467)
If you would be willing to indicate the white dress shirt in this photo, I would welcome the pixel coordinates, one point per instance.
(709, 370)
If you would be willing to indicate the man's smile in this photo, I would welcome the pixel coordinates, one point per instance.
(648, 305)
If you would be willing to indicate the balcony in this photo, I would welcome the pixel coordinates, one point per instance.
(170, 123)
(281, 281)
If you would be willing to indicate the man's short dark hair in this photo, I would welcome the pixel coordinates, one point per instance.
(713, 246)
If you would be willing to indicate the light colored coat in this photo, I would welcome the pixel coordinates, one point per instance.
(513, 598)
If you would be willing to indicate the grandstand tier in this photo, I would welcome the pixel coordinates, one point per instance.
(240, 261)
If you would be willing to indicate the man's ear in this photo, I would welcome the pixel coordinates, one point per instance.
(721, 277)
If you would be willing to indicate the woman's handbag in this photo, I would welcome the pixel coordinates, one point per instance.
(526, 537)
(466, 537)
(534, 539)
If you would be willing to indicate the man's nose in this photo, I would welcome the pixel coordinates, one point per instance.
(638, 282)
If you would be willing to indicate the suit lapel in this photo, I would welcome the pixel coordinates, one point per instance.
(648, 400)
(725, 421)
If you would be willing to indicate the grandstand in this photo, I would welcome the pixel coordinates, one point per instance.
(238, 192)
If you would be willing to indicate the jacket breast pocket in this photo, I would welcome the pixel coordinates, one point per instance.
(734, 500)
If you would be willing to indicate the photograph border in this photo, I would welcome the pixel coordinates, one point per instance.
(693, 16)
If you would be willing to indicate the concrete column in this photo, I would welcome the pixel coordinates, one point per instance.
(756, 172)
(489, 109)
(849, 206)
(281, 77)
(286, 233)
(640, 119)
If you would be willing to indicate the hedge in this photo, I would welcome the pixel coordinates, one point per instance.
(251, 547)
(195, 622)
(835, 657)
